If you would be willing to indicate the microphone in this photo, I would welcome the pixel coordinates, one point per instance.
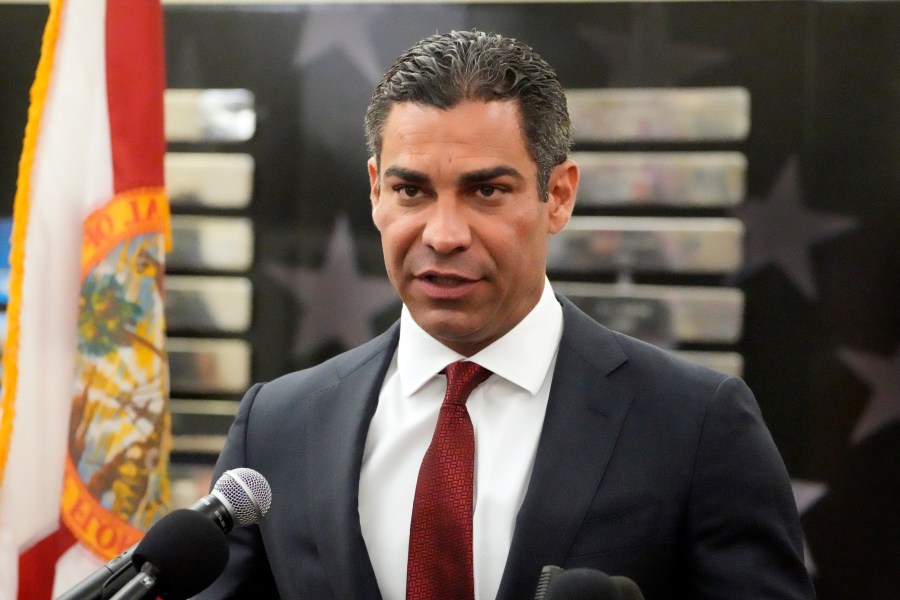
(181, 555)
(582, 584)
(557, 583)
(628, 589)
(547, 574)
(239, 498)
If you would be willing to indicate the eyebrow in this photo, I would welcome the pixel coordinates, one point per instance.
(406, 174)
(489, 174)
(469, 178)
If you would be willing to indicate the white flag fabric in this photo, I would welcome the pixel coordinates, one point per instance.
(84, 425)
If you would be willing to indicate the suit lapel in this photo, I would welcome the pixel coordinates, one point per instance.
(336, 440)
(584, 415)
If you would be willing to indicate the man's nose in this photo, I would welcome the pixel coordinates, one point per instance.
(447, 229)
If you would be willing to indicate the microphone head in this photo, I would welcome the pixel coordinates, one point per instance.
(582, 584)
(247, 492)
(628, 589)
(189, 550)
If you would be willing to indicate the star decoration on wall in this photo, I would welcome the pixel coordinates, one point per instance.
(882, 375)
(340, 29)
(337, 302)
(781, 231)
(806, 494)
(646, 55)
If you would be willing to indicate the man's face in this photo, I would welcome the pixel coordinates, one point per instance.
(463, 229)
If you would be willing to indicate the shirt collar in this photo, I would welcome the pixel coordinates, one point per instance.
(522, 356)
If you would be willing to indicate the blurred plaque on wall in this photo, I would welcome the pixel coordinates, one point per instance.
(201, 426)
(212, 180)
(208, 304)
(202, 243)
(659, 114)
(690, 179)
(209, 115)
(660, 244)
(663, 315)
(208, 366)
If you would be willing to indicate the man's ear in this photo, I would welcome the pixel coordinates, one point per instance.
(374, 184)
(563, 187)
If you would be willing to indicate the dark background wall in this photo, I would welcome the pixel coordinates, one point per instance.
(821, 335)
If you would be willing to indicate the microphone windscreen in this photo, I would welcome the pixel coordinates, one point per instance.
(248, 492)
(628, 589)
(582, 584)
(189, 550)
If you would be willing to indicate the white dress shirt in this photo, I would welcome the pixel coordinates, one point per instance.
(507, 413)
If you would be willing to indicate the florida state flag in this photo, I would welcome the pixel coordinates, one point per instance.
(84, 423)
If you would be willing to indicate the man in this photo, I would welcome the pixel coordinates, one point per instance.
(592, 449)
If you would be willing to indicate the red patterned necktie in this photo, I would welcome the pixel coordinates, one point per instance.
(440, 533)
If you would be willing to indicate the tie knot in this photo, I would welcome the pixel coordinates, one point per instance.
(462, 378)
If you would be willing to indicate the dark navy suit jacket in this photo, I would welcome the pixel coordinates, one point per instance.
(647, 467)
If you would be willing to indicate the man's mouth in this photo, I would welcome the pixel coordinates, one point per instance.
(445, 280)
(446, 286)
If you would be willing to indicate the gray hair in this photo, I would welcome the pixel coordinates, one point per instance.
(445, 69)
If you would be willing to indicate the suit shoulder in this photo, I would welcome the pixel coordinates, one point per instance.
(644, 370)
(646, 356)
(598, 343)
(328, 374)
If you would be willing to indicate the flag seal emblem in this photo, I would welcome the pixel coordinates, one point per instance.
(119, 434)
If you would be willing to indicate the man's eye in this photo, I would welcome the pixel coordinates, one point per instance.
(407, 191)
(487, 190)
